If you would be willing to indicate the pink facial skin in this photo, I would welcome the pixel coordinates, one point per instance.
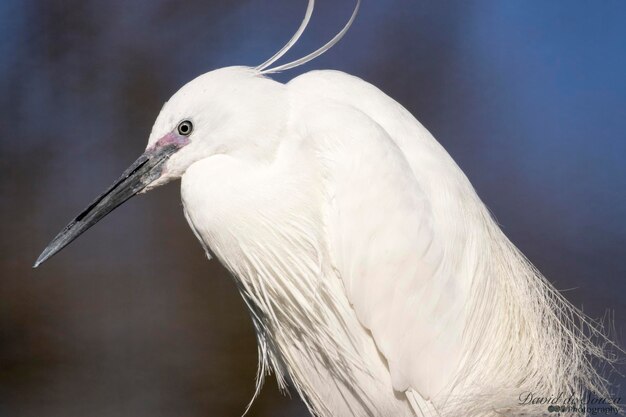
(171, 138)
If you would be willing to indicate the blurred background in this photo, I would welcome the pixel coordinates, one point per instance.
(529, 97)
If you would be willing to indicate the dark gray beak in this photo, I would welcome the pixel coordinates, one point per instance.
(142, 172)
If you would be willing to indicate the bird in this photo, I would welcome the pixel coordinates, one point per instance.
(377, 281)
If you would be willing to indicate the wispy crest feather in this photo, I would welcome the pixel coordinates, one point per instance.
(263, 68)
(293, 40)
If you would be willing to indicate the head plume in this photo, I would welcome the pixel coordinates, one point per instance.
(264, 68)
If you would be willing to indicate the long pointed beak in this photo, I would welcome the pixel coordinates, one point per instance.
(141, 173)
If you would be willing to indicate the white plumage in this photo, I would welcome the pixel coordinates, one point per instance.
(377, 281)
(374, 273)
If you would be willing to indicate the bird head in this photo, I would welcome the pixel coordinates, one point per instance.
(234, 111)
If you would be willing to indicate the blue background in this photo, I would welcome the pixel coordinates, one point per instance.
(529, 97)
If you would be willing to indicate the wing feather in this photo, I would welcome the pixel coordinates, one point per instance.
(464, 321)
(383, 243)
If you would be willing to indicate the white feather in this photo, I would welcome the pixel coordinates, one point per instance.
(317, 52)
(377, 280)
(293, 40)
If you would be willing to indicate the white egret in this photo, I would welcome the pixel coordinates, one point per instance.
(377, 281)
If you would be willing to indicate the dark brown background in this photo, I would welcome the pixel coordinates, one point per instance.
(131, 320)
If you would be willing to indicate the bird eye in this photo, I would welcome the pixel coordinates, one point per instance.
(185, 127)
